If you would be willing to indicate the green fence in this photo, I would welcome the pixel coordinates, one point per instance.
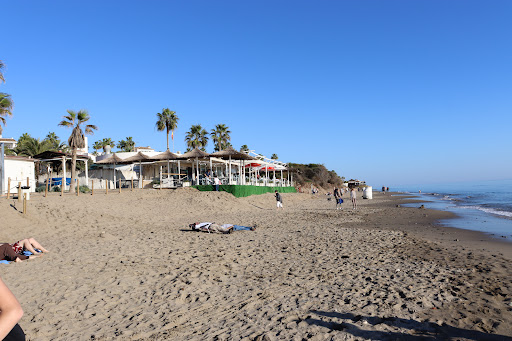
(245, 191)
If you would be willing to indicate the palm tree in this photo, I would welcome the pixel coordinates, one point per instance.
(55, 142)
(2, 66)
(126, 146)
(6, 106)
(274, 157)
(196, 137)
(31, 146)
(220, 136)
(97, 146)
(244, 148)
(167, 120)
(76, 139)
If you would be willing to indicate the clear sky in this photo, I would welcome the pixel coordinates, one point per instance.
(391, 92)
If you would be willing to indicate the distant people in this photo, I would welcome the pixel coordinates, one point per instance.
(387, 189)
(337, 197)
(279, 200)
(10, 313)
(216, 182)
(383, 189)
(353, 197)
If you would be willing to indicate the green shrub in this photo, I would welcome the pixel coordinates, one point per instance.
(56, 189)
(40, 189)
(84, 189)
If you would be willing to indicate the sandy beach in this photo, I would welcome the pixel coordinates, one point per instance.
(126, 267)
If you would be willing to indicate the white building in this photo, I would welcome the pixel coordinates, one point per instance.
(18, 169)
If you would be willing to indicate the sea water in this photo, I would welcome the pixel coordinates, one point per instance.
(483, 206)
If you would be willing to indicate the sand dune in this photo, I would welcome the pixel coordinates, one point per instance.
(125, 266)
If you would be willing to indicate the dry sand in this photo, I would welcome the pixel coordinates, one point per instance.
(126, 267)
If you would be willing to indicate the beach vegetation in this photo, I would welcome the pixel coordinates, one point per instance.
(196, 137)
(244, 148)
(6, 103)
(56, 189)
(84, 189)
(127, 145)
(316, 174)
(76, 140)
(97, 146)
(6, 106)
(274, 157)
(221, 137)
(168, 121)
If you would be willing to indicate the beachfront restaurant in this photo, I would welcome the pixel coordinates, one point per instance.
(238, 172)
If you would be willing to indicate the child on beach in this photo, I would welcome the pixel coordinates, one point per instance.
(279, 201)
(353, 197)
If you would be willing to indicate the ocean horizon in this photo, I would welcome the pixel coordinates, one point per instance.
(484, 206)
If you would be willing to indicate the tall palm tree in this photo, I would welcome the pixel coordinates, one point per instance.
(2, 66)
(6, 106)
(167, 120)
(244, 148)
(196, 137)
(220, 136)
(76, 139)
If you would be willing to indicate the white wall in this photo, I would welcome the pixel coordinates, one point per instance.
(18, 171)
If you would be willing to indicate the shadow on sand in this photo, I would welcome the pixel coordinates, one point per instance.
(419, 330)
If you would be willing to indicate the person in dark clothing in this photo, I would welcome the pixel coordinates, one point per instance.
(279, 200)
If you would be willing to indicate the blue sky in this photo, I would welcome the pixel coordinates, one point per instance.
(391, 92)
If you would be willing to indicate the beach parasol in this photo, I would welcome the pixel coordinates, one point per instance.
(167, 155)
(112, 159)
(231, 154)
(197, 154)
(140, 158)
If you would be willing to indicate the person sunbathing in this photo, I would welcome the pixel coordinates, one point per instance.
(16, 250)
(225, 228)
(7, 253)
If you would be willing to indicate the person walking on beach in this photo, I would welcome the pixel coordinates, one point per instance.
(353, 197)
(279, 200)
(337, 197)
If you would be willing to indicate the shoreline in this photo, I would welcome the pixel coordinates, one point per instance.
(478, 240)
(126, 266)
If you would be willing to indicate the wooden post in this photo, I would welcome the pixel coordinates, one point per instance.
(92, 187)
(8, 187)
(28, 181)
(62, 184)
(46, 188)
(131, 187)
(77, 187)
(25, 203)
(19, 191)
(106, 187)
(119, 185)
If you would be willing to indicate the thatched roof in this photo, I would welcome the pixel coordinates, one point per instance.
(112, 159)
(167, 155)
(196, 152)
(139, 157)
(51, 155)
(235, 155)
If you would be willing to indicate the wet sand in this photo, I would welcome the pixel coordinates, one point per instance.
(126, 267)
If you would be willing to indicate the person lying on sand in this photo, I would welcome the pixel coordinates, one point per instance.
(8, 254)
(225, 228)
(16, 249)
